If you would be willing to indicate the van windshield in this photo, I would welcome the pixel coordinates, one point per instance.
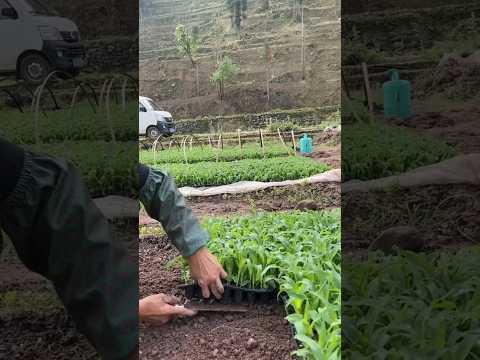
(37, 7)
(154, 106)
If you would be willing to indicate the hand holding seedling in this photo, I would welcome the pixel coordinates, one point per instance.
(207, 271)
(162, 308)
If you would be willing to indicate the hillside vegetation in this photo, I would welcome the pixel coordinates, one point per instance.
(170, 78)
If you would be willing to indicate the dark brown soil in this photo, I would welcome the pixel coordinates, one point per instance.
(35, 326)
(447, 215)
(458, 128)
(323, 196)
(216, 336)
(33, 336)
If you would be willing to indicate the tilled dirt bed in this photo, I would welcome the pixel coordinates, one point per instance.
(261, 333)
(34, 328)
(304, 197)
(33, 323)
(458, 128)
(446, 215)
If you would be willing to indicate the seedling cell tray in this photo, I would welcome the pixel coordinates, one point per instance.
(234, 294)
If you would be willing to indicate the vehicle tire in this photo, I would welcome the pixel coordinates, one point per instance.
(34, 68)
(153, 132)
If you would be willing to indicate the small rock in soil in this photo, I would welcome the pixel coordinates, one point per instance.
(307, 205)
(215, 352)
(251, 344)
(403, 237)
(202, 341)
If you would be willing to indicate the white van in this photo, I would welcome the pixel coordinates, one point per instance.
(153, 121)
(35, 40)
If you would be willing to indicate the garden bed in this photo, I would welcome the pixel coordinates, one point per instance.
(286, 251)
(223, 173)
(213, 336)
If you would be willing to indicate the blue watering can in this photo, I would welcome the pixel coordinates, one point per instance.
(306, 145)
(397, 97)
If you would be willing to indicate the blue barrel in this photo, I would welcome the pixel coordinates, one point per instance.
(397, 97)
(306, 145)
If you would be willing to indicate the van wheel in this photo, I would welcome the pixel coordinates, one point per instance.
(153, 132)
(34, 68)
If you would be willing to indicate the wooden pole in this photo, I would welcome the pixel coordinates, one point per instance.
(294, 144)
(239, 138)
(367, 89)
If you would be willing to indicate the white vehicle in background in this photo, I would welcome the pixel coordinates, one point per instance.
(153, 121)
(35, 40)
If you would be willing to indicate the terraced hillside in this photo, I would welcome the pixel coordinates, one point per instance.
(170, 79)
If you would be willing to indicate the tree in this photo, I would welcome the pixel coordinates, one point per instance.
(238, 12)
(187, 45)
(224, 72)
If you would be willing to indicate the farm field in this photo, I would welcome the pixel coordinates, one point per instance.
(106, 156)
(432, 281)
(267, 259)
(257, 236)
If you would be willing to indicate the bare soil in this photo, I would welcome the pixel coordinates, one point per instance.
(447, 215)
(458, 128)
(314, 197)
(261, 333)
(33, 323)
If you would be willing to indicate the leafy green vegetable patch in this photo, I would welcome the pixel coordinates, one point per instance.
(223, 173)
(297, 253)
(372, 151)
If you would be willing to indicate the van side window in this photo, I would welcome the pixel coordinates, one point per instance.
(142, 108)
(4, 5)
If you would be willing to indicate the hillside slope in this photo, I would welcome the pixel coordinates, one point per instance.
(170, 79)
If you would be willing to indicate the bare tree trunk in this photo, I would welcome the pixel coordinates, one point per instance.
(268, 60)
(197, 81)
(303, 41)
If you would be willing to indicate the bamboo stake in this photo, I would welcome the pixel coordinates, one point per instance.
(283, 142)
(239, 138)
(261, 142)
(294, 144)
(367, 89)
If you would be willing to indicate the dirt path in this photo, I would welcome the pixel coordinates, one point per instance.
(315, 196)
(205, 337)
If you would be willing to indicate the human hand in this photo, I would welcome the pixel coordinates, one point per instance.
(161, 308)
(207, 271)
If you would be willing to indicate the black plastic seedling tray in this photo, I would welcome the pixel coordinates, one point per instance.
(234, 294)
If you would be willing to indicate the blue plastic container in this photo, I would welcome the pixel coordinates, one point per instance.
(397, 97)
(306, 145)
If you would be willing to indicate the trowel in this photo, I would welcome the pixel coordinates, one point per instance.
(213, 306)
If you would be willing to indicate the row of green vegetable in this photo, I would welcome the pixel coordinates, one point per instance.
(107, 168)
(412, 306)
(297, 253)
(62, 125)
(224, 173)
(203, 154)
(372, 151)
